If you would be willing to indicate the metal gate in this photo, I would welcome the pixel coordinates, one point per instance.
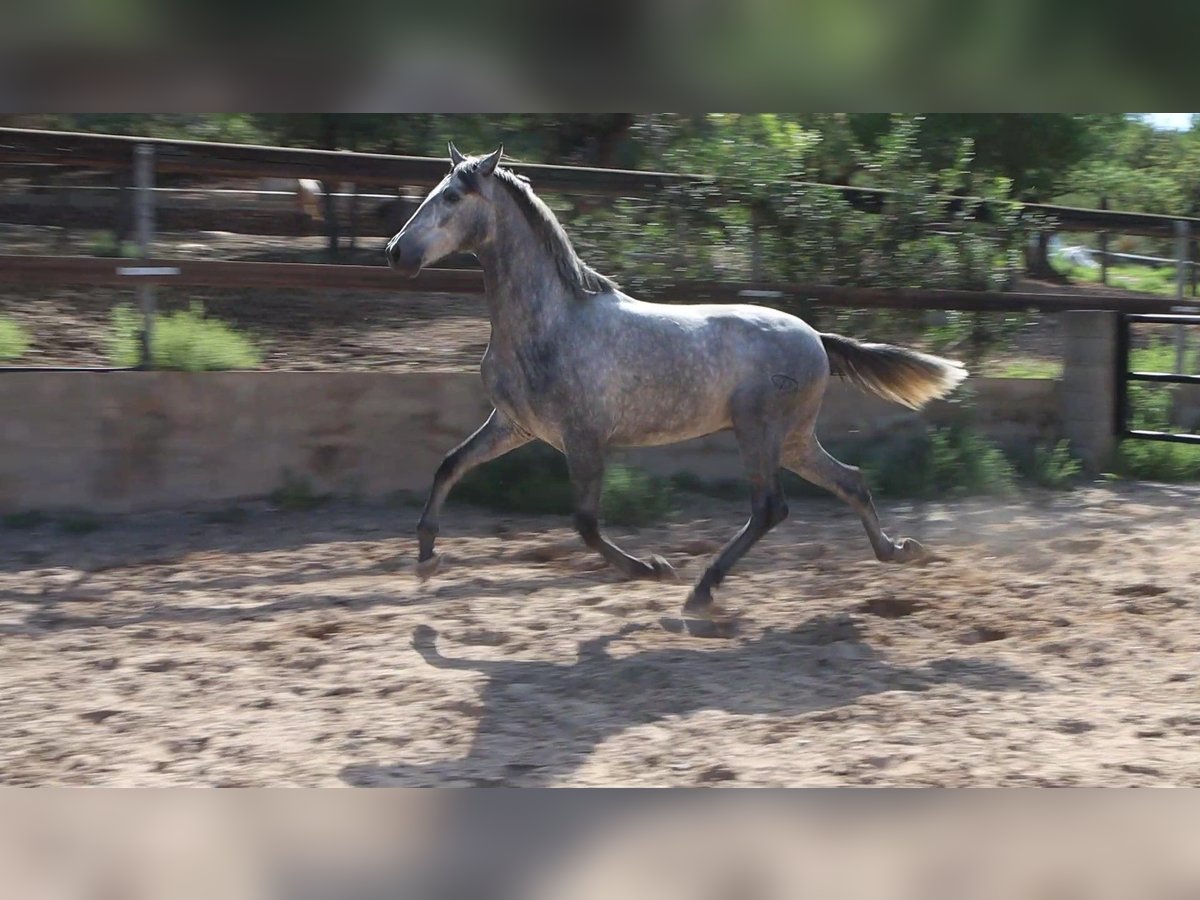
(1124, 376)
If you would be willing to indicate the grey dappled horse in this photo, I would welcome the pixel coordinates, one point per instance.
(578, 364)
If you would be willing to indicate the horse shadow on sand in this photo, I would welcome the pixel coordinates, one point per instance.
(539, 721)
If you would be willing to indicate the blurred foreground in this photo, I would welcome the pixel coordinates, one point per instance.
(572, 846)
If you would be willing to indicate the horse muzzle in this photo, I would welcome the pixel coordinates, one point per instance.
(404, 257)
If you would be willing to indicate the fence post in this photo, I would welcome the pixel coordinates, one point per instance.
(1181, 267)
(143, 173)
(1090, 388)
(1195, 264)
(1104, 247)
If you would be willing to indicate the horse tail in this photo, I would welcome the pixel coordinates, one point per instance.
(894, 373)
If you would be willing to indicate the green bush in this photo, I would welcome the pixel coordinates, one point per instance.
(721, 488)
(14, 340)
(535, 479)
(634, 497)
(950, 461)
(78, 523)
(182, 341)
(1046, 369)
(1158, 460)
(31, 518)
(105, 243)
(296, 493)
(532, 479)
(1049, 467)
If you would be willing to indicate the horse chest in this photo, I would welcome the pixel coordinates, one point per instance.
(522, 391)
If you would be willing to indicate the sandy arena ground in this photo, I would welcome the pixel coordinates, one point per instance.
(1056, 642)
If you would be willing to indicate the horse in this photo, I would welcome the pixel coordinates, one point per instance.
(580, 365)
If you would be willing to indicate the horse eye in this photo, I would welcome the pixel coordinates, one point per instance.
(452, 196)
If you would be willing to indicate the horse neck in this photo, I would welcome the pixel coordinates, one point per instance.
(525, 294)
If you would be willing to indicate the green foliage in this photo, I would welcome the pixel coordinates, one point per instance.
(1136, 167)
(78, 523)
(761, 196)
(183, 340)
(952, 461)
(14, 340)
(531, 479)
(296, 494)
(104, 243)
(227, 127)
(27, 519)
(1046, 369)
(1159, 356)
(534, 479)
(949, 461)
(1158, 461)
(1145, 279)
(634, 497)
(720, 488)
(1049, 467)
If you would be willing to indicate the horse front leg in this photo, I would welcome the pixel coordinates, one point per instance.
(586, 464)
(494, 438)
(767, 509)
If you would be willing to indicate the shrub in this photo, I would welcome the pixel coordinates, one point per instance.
(535, 479)
(1049, 467)
(1158, 460)
(14, 340)
(634, 497)
(531, 479)
(296, 493)
(951, 461)
(28, 519)
(105, 243)
(948, 461)
(182, 341)
(78, 523)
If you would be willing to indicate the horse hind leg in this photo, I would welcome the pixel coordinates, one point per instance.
(809, 460)
(768, 507)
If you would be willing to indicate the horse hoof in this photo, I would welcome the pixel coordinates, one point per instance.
(704, 607)
(909, 550)
(661, 570)
(427, 568)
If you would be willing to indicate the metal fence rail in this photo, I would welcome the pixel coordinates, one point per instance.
(57, 270)
(21, 147)
(1125, 376)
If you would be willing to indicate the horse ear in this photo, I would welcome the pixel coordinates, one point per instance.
(455, 156)
(488, 166)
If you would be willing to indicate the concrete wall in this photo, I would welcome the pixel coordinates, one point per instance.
(126, 441)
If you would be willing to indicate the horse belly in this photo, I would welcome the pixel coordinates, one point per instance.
(670, 423)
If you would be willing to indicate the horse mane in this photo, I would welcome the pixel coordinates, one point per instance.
(578, 275)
